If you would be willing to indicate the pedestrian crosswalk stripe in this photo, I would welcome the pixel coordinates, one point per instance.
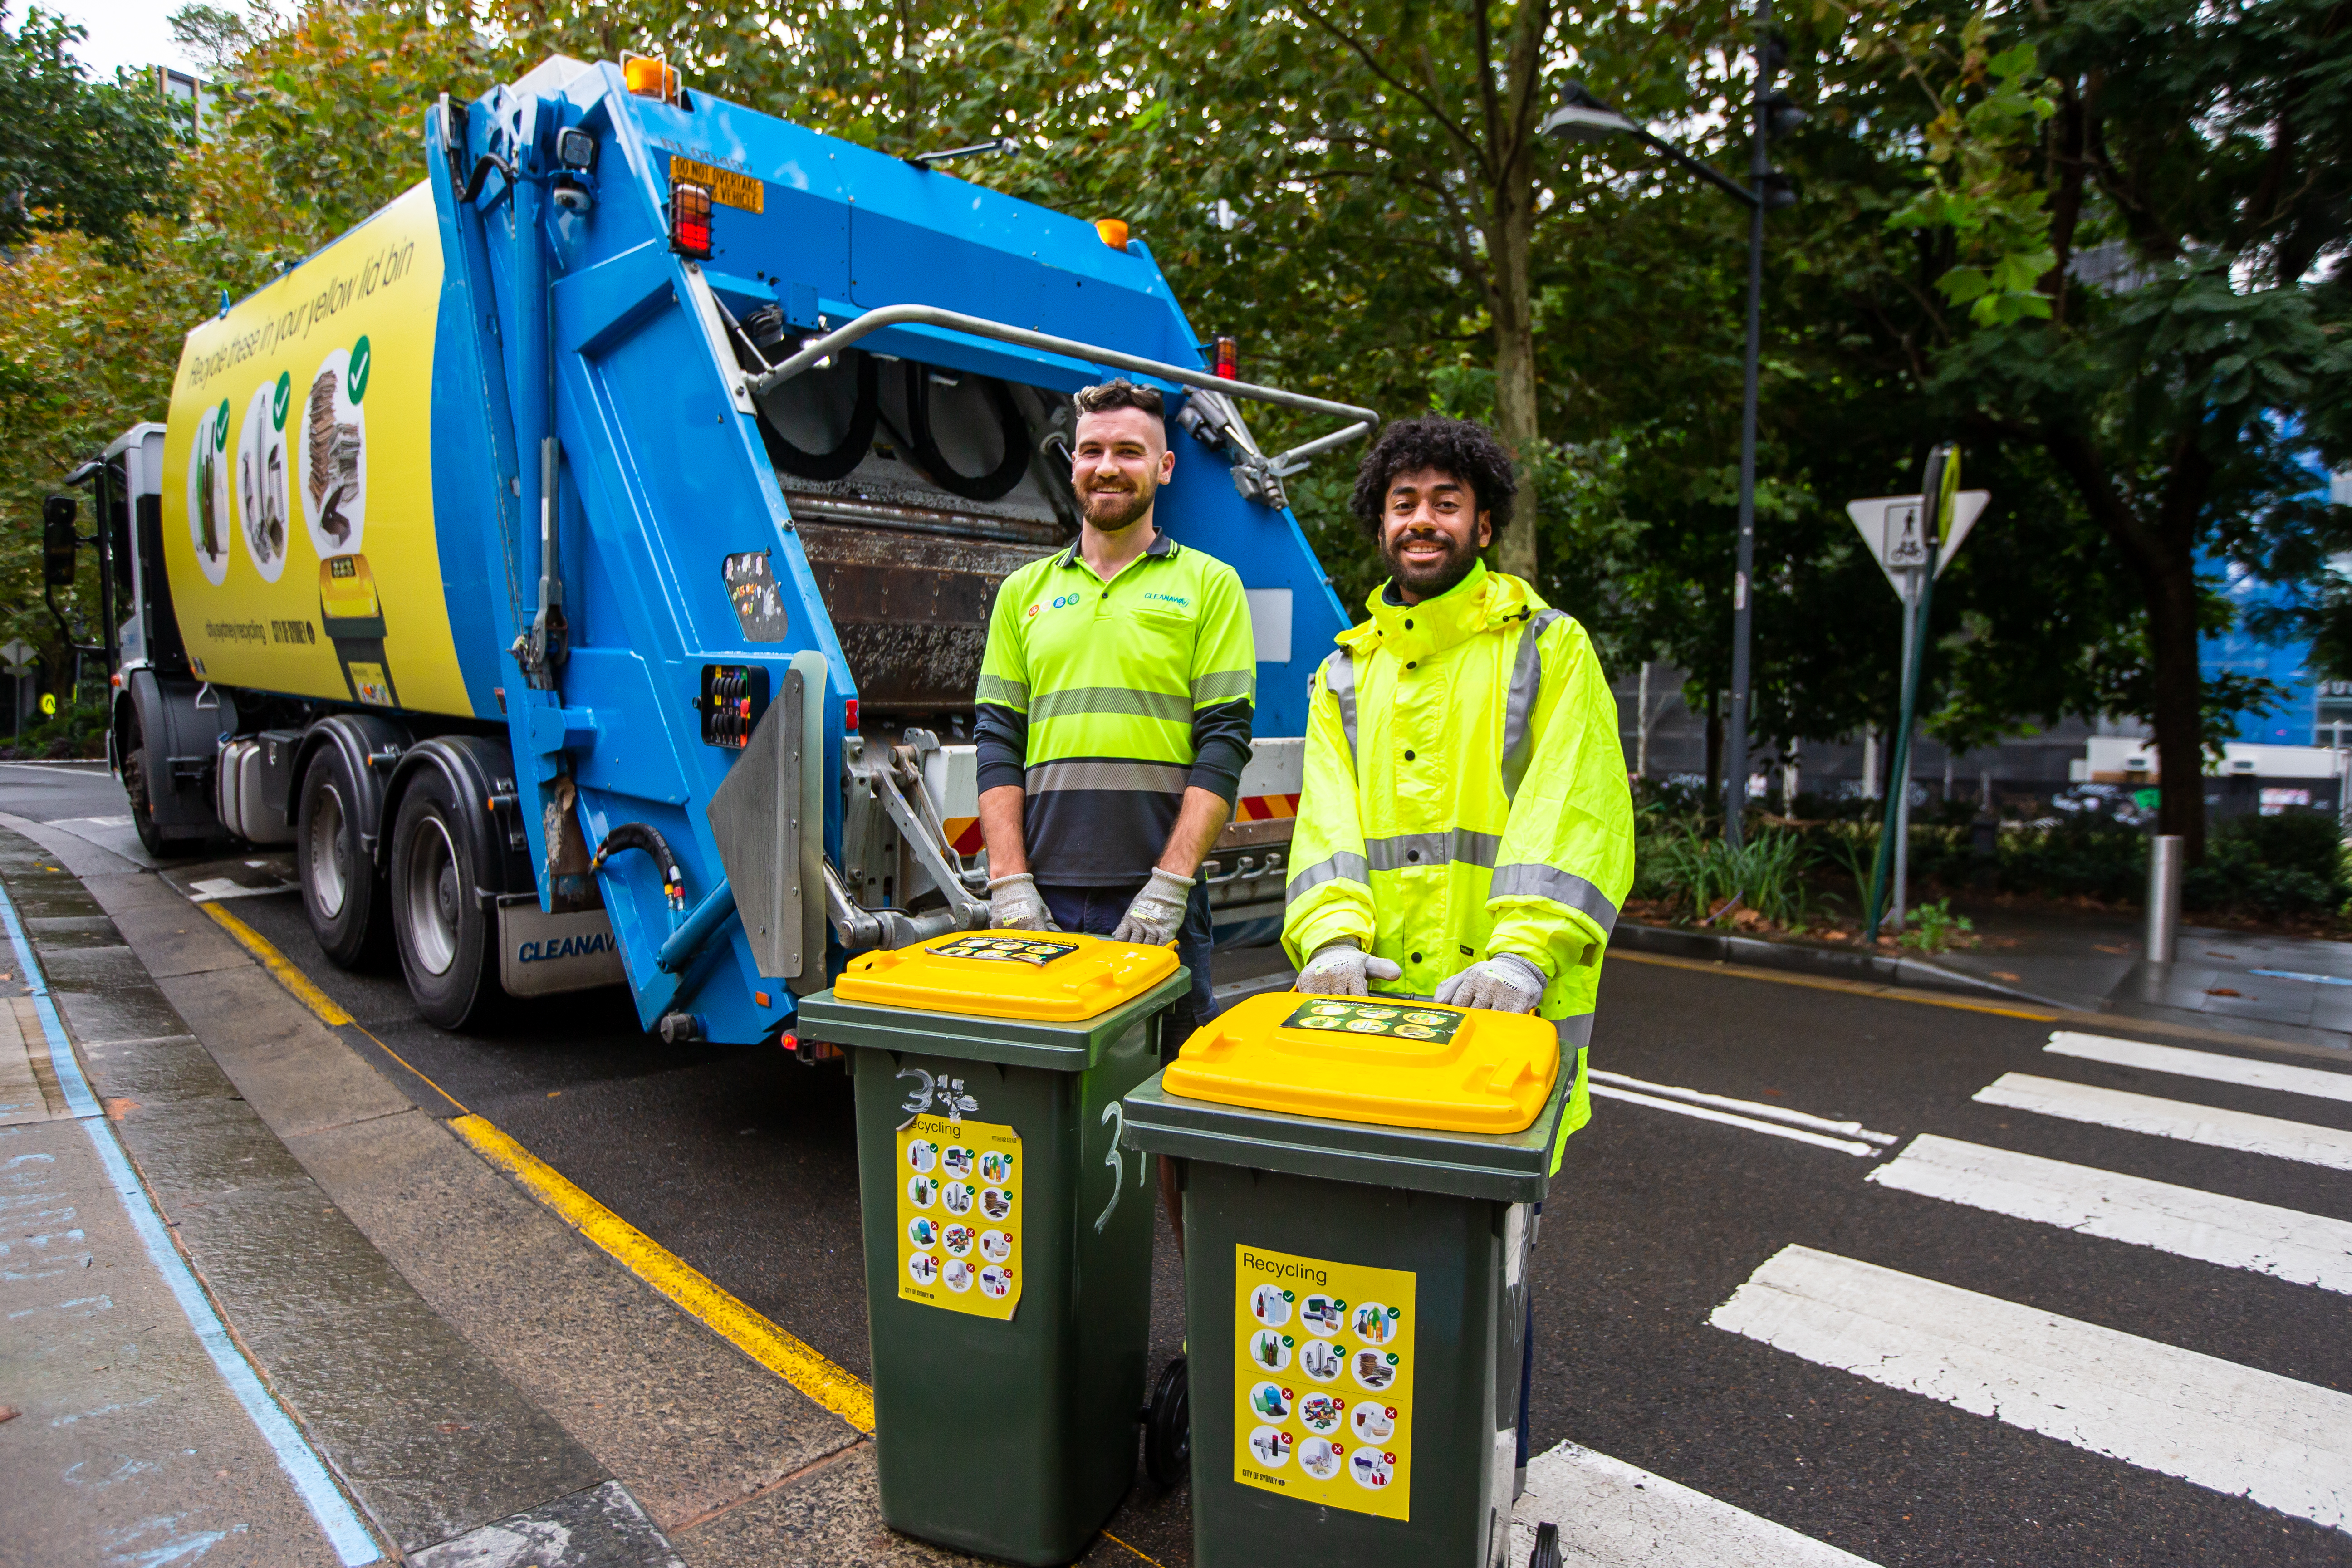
(2207, 1065)
(2242, 1130)
(2286, 1244)
(2286, 1445)
(1704, 1113)
(1614, 1515)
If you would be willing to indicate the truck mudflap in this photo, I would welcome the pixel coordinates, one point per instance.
(542, 955)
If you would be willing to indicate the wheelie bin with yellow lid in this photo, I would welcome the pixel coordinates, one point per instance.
(1359, 1190)
(1008, 1239)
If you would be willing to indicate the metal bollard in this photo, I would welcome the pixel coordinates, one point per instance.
(2163, 896)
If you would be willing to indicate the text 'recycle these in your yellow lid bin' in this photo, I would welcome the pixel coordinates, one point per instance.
(1323, 1381)
(959, 1215)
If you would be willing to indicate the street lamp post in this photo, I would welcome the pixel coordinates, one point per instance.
(1584, 118)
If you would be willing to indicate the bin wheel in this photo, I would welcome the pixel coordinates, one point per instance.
(1168, 1426)
(1547, 1552)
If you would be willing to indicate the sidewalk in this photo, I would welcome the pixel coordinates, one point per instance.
(2293, 990)
(2274, 986)
(134, 1428)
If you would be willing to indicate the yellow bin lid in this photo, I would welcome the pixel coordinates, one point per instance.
(1051, 978)
(1396, 1064)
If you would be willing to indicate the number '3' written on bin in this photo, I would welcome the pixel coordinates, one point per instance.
(940, 1093)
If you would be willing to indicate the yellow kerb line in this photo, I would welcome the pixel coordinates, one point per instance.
(796, 1363)
(293, 979)
(1823, 983)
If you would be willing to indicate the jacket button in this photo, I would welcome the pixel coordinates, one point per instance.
(1412, 854)
(1408, 756)
(1416, 958)
(1407, 626)
(1412, 663)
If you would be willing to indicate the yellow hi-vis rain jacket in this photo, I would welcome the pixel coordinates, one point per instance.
(1466, 795)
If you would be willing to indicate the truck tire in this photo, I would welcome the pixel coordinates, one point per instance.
(445, 936)
(342, 893)
(143, 815)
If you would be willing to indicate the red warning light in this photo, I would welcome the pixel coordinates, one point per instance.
(1229, 359)
(689, 221)
(849, 716)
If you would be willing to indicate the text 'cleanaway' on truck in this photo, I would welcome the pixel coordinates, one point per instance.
(585, 562)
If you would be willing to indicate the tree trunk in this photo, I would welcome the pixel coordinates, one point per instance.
(1511, 115)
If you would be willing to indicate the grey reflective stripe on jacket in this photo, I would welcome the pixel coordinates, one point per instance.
(1173, 705)
(1152, 778)
(1519, 709)
(1400, 850)
(1341, 867)
(1225, 686)
(1575, 1033)
(1531, 880)
(1003, 692)
(1339, 676)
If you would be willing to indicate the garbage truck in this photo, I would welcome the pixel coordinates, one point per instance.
(584, 563)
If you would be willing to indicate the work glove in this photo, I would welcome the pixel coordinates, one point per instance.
(1158, 912)
(1503, 984)
(1342, 969)
(1015, 904)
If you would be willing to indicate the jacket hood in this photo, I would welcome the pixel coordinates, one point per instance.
(1482, 601)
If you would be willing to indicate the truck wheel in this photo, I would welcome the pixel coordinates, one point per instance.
(142, 816)
(444, 934)
(341, 892)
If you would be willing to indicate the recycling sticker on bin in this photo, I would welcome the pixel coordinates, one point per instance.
(1375, 1018)
(959, 1215)
(1323, 1381)
(1005, 949)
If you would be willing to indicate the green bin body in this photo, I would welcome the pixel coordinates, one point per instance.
(1012, 1438)
(1269, 1198)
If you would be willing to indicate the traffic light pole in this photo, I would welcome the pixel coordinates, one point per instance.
(1735, 750)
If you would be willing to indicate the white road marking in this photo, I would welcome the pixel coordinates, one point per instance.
(211, 889)
(2244, 1432)
(1613, 1515)
(2117, 1108)
(2209, 1064)
(1681, 1108)
(1744, 1107)
(2286, 1244)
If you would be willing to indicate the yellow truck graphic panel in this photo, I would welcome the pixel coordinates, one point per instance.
(298, 491)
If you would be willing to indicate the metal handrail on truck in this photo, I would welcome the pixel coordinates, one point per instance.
(1364, 421)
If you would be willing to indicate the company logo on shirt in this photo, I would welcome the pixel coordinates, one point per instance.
(1062, 603)
(1179, 600)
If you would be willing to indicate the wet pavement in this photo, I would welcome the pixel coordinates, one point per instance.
(477, 1310)
(2293, 989)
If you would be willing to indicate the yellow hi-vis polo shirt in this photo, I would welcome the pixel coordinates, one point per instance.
(1105, 701)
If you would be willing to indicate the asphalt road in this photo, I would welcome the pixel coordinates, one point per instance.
(742, 1161)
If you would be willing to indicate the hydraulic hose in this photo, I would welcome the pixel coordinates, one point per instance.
(648, 838)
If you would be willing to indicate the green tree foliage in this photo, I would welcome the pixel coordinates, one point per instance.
(76, 155)
(1352, 188)
(2206, 149)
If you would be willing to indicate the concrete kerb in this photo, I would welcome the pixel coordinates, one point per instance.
(1867, 968)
